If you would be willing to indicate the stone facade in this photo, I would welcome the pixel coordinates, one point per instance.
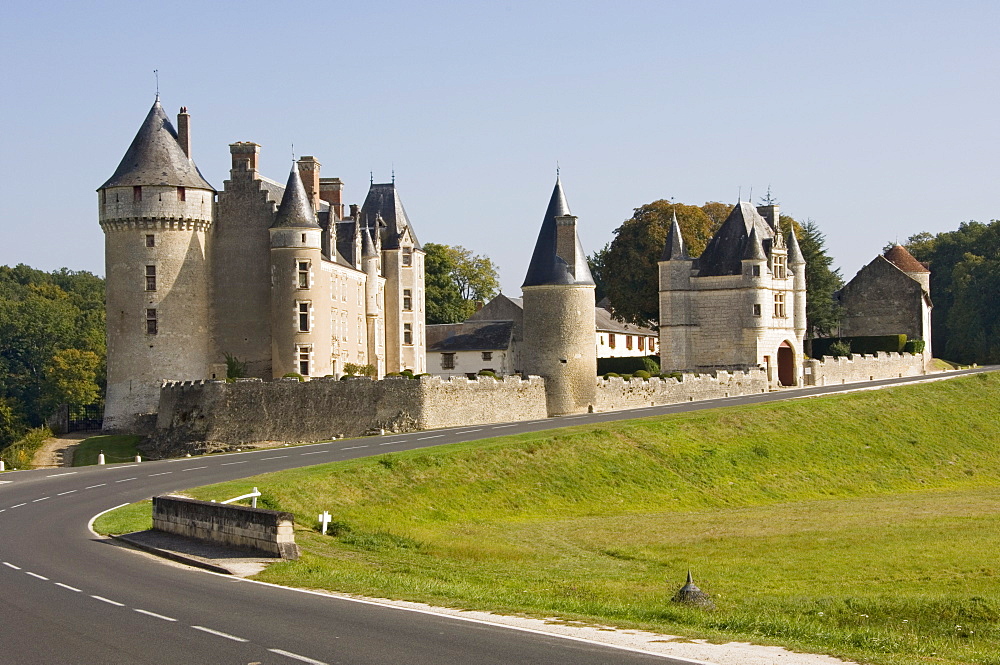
(192, 281)
(616, 393)
(855, 368)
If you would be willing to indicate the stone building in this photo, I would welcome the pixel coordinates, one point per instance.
(558, 297)
(889, 296)
(274, 275)
(741, 304)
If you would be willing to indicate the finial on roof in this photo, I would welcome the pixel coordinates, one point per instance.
(394, 173)
(739, 195)
(293, 151)
(371, 177)
(156, 73)
(674, 248)
(557, 169)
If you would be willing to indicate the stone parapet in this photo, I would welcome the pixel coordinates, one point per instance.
(254, 529)
(616, 393)
(859, 367)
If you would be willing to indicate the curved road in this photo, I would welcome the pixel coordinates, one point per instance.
(66, 597)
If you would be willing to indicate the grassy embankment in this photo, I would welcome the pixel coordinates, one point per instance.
(116, 447)
(862, 525)
(19, 454)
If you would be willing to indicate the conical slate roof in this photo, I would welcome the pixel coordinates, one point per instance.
(383, 200)
(725, 250)
(674, 248)
(795, 257)
(546, 266)
(156, 158)
(902, 259)
(753, 250)
(367, 245)
(296, 210)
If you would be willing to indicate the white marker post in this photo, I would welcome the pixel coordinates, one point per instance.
(138, 458)
(2, 465)
(325, 520)
(100, 458)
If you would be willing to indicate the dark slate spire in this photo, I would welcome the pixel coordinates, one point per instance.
(296, 210)
(546, 266)
(795, 257)
(674, 249)
(753, 251)
(367, 245)
(156, 157)
(383, 200)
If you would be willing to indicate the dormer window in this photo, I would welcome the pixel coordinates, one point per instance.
(779, 267)
(137, 194)
(181, 194)
(407, 256)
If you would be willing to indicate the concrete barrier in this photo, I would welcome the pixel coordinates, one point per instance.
(255, 529)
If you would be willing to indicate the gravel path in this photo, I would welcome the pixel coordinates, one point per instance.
(58, 451)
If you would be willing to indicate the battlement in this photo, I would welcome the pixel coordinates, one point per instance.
(831, 370)
(617, 393)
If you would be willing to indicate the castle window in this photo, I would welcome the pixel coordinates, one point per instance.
(150, 321)
(756, 309)
(150, 240)
(137, 194)
(303, 309)
(447, 361)
(755, 271)
(150, 278)
(611, 340)
(303, 353)
(407, 299)
(779, 305)
(408, 333)
(303, 272)
(779, 267)
(104, 196)
(487, 355)
(181, 194)
(407, 256)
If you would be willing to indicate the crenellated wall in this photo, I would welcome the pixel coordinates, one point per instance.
(616, 393)
(857, 367)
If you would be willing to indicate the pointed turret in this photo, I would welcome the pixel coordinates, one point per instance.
(367, 245)
(558, 257)
(753, 251)
(296, 210)
(794, 251)
(156, 157)
(725, 250)
(674, 249)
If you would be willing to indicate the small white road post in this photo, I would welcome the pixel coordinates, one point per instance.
(325, 520)
(138, 458)
(2, 465)
(100, 457)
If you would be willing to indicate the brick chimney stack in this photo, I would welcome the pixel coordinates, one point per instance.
(184, 130)
(245, 156)
(309, 172)
(331, 190)
(566, 241)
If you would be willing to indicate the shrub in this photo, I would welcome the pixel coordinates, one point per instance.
(393, 374)
(641, 374)
(649, 364)
(235, 368)
(408, 373)
(19, 454)
(840, 348)
(627, 377)
(611, 374)
(672, 375)
(915, 346)
(486, 372)
(293, 375)
(867, 344)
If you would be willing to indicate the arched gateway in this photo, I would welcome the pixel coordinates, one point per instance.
(786, 364)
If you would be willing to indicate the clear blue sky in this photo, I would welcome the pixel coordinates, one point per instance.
(876, 119)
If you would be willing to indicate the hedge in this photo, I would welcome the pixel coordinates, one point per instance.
(868, 345)
(628, 365)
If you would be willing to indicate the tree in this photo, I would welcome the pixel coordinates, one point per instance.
(70, 378)
(822, 312)
(454, 280)
(596, 262)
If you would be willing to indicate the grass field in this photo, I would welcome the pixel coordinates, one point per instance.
(116, 447)
(862, 525)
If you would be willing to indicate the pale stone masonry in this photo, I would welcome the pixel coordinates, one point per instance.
(274, 275)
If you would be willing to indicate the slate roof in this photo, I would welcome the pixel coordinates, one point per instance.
(469, 336)
(383, 201)
(674, 248)
(295, 209)
(546, 267)
(156, 158)
(725, 250)
(607, 323)
(795, 257)
(902, 259)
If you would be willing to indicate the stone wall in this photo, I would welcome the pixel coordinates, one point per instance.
(850, 369)
(255, 529)
(202, 416)
(617, 393)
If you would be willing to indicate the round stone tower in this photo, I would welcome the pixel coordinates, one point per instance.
(300, 317)
(559, 327)
(156, 212)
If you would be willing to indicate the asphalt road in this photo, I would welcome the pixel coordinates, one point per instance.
(66, 597)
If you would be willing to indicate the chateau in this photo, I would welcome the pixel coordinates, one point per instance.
(278, 277)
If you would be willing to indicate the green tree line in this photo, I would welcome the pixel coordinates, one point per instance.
(52, 345)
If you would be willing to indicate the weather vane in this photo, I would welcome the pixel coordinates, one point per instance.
(156, 73)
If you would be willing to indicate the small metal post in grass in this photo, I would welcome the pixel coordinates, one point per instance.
(689, 594)
(324, 519)
(100, 457)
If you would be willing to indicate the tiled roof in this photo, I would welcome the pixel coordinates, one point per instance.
(383, 201)
(902, 259)
(469, 336)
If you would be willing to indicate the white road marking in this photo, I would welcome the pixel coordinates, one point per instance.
(220, 634)
(66, 586)
(41, 577)
(267, 458)
(232, 463)
(109, 602)
(154, 614)
(152, 475)
(315, 453)
(10, 565)
(195, 468)
(93, 486)
(502, 426)
(469, 431)
(19, 505)
(65, 493)
(355, 447)
(56, 475)
(6, 482)
(388, 443)
(2, 510)
(422, 438)
(296, 656)
(124, 480)
(42, 499)
(127, 466)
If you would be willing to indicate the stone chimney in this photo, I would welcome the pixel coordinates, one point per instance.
(309, 172)
(566, 241)
(354, 211)
(245, 157)
(184, 131)
(331, 190)
(770, 214)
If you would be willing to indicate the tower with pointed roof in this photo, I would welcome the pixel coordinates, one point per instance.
(157, 212)
(558, 295)
(741, 304)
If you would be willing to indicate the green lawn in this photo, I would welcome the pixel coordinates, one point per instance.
(116, 447)
(863, 525)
